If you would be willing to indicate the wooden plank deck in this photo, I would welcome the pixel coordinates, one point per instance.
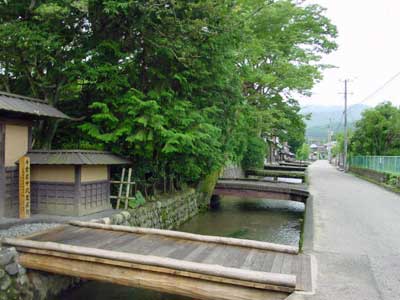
(166, 247)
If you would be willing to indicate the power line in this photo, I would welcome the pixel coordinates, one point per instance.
(381, 87)
(377, 90)
(340, 123)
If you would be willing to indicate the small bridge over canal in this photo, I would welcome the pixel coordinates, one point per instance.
(285, 168)
(202, 267)
(261, 189)
(276, 173)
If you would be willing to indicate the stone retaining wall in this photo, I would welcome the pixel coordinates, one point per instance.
(17, 283)
(165, 213)
(371, 174)
(233, 172)
(388, 180)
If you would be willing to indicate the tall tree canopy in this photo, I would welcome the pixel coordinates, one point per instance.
(179, 86)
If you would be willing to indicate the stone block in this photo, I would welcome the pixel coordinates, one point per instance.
(5, 283)
(21, 270)
(23, 280)
(12, 268)
(126, 215)
(7, 256)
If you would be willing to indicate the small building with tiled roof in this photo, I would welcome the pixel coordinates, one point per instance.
(71, 182)
(62, 182)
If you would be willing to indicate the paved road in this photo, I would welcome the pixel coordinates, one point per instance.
(356, 237)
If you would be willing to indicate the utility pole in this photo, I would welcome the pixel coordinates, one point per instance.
(329, 141)
(345, 126)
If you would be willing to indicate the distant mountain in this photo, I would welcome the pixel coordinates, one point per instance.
(322, 116)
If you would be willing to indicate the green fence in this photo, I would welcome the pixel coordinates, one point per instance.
(388, 164)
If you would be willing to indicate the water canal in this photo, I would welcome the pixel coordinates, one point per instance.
(264, 220)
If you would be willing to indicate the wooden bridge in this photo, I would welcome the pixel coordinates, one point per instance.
(295, 163)
(261, 189)
(197, 266)
(285, 168)
(276, 173)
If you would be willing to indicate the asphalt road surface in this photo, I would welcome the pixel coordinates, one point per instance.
(356, 237)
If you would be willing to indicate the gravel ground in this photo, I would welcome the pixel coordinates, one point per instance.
(25, 229)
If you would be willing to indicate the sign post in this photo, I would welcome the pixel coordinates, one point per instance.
(24, 187)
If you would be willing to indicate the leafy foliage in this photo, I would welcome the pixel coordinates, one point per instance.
(255, 153)
(303, 153)
(137, 201)
(180, 87)
(378, 131)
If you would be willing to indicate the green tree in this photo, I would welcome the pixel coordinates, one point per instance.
(303, 153)
(42, 47)
(378, 131)
(180, 87)
(281, 59)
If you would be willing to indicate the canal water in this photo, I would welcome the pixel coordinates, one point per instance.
(263, 220)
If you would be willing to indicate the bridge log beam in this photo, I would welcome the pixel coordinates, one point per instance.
(166, 283)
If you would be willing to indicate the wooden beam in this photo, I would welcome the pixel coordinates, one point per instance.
(120, 189)
(191, 236)
(167, 283)
(156, 269)
(128, 187)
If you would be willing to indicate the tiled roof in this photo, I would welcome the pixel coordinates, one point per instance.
(75, 157)
(25, 105)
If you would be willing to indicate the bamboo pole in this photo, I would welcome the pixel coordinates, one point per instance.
(194, 237)
(165, 262)
(120, 189)
(124, 182)
(128, 188)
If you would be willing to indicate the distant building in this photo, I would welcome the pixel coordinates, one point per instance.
(285, 153)
(278, 151)
(274, 147)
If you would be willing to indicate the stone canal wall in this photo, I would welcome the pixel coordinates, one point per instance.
(164, 213)
(233, 172)
(17, 283)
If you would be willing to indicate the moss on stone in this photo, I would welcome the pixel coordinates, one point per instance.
(207, 185)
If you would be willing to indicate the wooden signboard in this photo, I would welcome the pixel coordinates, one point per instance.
(24, 187)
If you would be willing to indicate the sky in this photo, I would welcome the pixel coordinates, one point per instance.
(368, 54)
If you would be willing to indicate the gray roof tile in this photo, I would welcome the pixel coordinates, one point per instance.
(75, 157)
(31, 106)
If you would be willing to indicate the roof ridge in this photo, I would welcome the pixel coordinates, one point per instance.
(25, 98)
